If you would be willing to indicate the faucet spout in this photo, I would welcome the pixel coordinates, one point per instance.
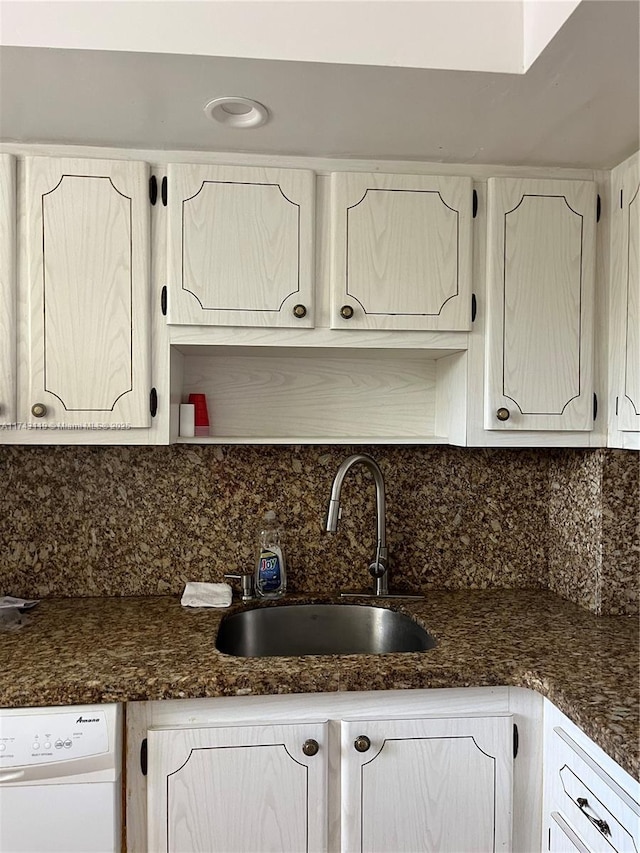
(379, 568)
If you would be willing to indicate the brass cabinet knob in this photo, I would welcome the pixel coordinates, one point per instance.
(346, 312)
(299, 311)
(503, 414)
(362, 743)
(310, 747)
(38, 410)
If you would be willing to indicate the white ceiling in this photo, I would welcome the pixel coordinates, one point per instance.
(577, 105)
(461, 35)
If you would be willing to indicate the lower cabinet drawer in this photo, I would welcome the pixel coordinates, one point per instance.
(563, 838)
(602, 817)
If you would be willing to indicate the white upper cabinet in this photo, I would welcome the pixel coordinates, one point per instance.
(400, 251)
(7, 289)
(240, 246)
(625, 295)
(540, 291)
(88, 292)
(254, 310)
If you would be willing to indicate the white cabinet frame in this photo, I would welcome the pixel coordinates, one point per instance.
(624, 304)
(8, 289)
(524, 707)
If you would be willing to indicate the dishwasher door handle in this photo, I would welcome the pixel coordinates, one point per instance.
(11, 777)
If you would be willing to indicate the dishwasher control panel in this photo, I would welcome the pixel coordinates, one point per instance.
(28, 739)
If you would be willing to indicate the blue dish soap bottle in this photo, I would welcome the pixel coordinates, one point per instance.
(271, 572)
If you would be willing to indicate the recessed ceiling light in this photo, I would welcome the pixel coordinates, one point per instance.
(237, 112)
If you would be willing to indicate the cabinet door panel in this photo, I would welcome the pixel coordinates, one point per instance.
(7, 289)
(401, 251)
(88, 258)
(540, 304)
(436, 785)
(232, 790)
(629, 404)
(240, 245)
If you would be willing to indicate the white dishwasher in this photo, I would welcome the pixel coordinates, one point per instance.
(60, 774)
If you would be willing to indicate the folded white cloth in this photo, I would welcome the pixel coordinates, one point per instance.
(8, 602)
(206, 595)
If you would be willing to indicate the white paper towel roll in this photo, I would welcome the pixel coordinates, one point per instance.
(187, 420)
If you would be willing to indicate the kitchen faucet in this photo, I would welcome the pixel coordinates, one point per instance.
(379, 567)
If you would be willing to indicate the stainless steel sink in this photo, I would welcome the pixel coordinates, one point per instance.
(320, 629)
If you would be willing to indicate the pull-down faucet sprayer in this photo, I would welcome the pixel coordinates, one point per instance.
(379, 567)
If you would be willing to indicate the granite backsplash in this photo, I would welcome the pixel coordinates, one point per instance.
(84, 521)
(594, 529)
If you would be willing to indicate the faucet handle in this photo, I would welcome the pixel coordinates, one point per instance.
(247, 583)
(377, 569)
(378, 566)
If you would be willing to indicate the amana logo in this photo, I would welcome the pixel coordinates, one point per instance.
(82, 719)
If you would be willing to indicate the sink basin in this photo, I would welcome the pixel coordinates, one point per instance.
(320, 629)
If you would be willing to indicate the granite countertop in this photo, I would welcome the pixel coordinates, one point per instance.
(86, 650)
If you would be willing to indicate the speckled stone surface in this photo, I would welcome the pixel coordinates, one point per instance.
(87, 521)
(594, 529)
(575, 525)
(118, 649)
(143, 521)
(621, 532)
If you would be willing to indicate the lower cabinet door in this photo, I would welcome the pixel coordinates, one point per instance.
(436, 785)
(238, 789)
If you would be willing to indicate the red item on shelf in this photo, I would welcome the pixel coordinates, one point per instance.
(201, 414)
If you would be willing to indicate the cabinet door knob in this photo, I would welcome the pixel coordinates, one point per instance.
(362, 743)
(346, 312)
(310, 747)
(503, 414)
(299, 311)
(38, 410)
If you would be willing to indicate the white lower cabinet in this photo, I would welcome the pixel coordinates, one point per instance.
(238, 788)
(432, 784)
(590, 803)
(441, 785)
